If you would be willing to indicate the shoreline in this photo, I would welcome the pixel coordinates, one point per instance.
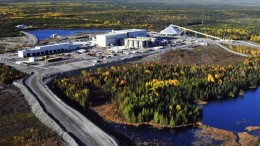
(117, 120)
(200, 102)
(31, 38)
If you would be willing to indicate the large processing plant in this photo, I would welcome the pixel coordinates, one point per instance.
(117, 37)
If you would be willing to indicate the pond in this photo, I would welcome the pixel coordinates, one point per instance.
(231, 114)
(234, 114)
(44, 34)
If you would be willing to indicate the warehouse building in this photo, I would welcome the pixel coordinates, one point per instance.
(49, 49)
(112, 38)
(117, 37)
(133, 33)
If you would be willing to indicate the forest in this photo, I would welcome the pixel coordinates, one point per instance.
(243, 49)
(225, 21)
(161, 94)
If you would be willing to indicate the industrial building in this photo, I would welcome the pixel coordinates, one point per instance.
(49, 49)
(112, 38)
(139, 42)
(133, 33)
(117, 37)
(170, 31)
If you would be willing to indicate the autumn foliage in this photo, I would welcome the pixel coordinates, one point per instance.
(165, 94)
(8, 74)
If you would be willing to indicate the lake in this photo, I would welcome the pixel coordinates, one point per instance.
(230, 114)
(234, 114)
(44, 34)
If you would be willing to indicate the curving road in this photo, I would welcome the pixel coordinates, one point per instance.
(75, 123)
(231, 51)
(32, 38)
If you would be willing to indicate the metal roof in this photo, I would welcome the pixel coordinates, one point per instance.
(170, 30)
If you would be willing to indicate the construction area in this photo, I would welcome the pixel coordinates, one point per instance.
(112, 46)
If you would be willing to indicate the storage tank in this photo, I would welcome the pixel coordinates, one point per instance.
(141, 44)
(131, 43)
(126, 42)
(136, 44)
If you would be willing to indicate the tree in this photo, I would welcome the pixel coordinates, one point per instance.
(133, 118)
(172, 122)
(140, 118)
(156, 117)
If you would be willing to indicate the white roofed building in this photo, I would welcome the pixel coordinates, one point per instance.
(170, 31)
(49, 49)
(117, 37)
(112, 38)
(133, 33)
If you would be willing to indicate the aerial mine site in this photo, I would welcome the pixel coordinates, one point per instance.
(129, 72)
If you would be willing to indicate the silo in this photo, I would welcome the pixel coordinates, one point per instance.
(126, 42)
(131, 43)
(136, 44)
(141, 44)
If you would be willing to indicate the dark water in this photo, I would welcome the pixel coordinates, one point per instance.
(151, 135)
(44, 34)
(234, 114)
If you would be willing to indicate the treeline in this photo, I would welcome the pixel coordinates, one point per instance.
(246, 50)
(8, 74)
(234, 32)
(151, 16)
(165, 94)
(76, 91)
(255, 38)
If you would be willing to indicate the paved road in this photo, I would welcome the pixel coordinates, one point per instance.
(88, 133)
(33, 39)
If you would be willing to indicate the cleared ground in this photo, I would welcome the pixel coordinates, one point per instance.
(18, 125)
(200, 55)
(215, 136)
(12, 44)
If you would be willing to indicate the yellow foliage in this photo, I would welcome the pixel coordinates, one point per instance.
(211, 78)
(220, 81)
(217, 76)
(147, 71)
(122, 83)
(246, 50)
(99, 70)
(107, 73)
(155, 84)
(255, 38)
(178, 107)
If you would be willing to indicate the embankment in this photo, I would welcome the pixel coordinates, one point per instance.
(39, 112)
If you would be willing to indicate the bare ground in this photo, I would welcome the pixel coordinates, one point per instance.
(215, 136)
(18, 125)
(12, 44)
(200, 55)
(246, 139)
(252, 128)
